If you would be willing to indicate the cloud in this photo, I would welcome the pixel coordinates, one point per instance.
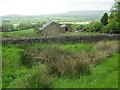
(32, 7)
(92, 5)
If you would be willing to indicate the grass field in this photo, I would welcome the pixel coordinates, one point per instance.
(104, 75)
(81, 33)
(32, 33)
(21, 33)
(20, 68)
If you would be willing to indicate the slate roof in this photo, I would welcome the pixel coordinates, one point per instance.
(46, 24)
(63, 26)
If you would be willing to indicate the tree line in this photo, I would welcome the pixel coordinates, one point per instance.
(6, 27)
(107, 24)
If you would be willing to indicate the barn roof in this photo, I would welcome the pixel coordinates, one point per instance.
(46, 24)
(63, 26)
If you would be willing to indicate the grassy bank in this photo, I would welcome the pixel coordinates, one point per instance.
(82, 33)
(21, 33)
(32, 33)
(81, 65)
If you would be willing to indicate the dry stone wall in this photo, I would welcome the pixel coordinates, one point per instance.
(62, 39)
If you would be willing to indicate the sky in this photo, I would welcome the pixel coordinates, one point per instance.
(37, 7)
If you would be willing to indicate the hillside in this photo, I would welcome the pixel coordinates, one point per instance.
(72, 16)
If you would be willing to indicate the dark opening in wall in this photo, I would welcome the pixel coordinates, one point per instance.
(66, 29)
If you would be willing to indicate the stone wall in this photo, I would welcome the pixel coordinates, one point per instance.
(62, 39)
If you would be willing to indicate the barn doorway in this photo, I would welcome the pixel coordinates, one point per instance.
(66, 28)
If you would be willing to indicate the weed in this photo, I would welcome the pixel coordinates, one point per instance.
(26, 59)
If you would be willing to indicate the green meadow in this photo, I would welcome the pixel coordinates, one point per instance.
(53, 65)
(20, 33)
(32, 33)
(81, 65)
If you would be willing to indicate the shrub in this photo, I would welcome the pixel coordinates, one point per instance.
(7, 27)
(94, 27)
(81, 27)
(75, 26)
(112, 27)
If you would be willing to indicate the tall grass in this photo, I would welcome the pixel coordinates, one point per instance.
(15, 74)
(56, 65)
(10, 63)
(104, 75)
(36, 77)
(64, 61)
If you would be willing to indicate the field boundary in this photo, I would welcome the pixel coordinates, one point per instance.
(61, 39)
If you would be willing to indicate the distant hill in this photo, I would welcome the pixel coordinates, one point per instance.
(80, 13)
(11, 15)
(87, 12)
(72, 16)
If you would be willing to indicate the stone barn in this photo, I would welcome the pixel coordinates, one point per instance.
(51, 28)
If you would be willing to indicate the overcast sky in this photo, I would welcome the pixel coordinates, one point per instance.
(36, 7)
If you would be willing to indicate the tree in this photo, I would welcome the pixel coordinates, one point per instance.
(112, 27)
(81, 27)
(23, 26)
(116, 11)
(104, 19)
(114, 20)
(111, 16)
(37, 26)
(7, 27)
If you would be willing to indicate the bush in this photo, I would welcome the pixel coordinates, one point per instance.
(81, 27)
(75, 26)
(112, 27)
(7, 27)
(23, 26)
(94, 27)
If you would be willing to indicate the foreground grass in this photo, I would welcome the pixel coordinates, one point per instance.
(104, 75)
(16, 74)
(10, 64)
(0, 67)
